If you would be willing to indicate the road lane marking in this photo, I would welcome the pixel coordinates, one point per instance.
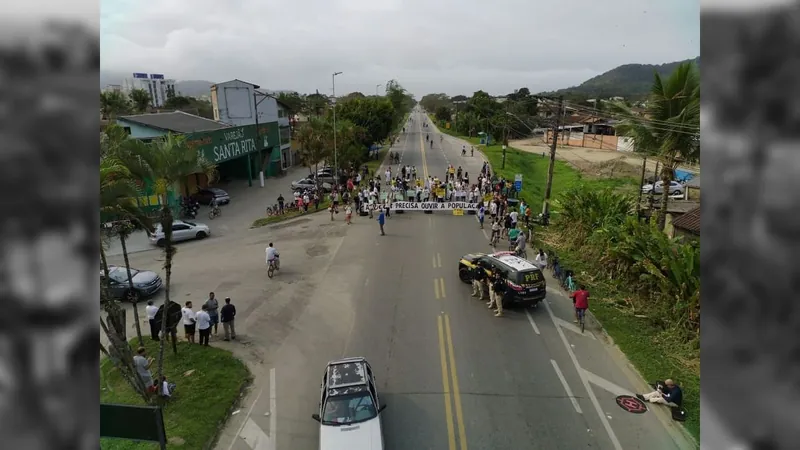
(434, 261)
(603, 419)
(422, 147)
(438, 260)
(436, 288)
(462, 435)
(574, 328)
(273, 411)
(533, 324)
(566, 387)
(254, 436)
(601, 382)
(246, 418)
(441, 281)
(448, 409)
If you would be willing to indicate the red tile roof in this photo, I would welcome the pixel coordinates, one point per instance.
(689, 221)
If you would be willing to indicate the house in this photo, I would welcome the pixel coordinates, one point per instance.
(687, 225)
(693, 188)
(150, 126)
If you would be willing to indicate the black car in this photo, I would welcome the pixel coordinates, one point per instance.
(204, 196)
(526, 283)
(145, 283)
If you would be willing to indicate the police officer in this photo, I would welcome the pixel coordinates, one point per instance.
(497, 289)
(478, 279)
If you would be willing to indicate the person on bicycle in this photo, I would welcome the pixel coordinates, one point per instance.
(495, 231)
(513, 234)
(273, 257)
(580, 299)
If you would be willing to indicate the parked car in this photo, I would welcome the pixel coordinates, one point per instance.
(145, 283)
(349, 409)
(308, 183)
(204, 196)
(674, 188)
(325, 175)
(182, 230)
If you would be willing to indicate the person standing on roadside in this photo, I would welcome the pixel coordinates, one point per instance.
(481, 215)
(228, 314)
(478, 278)
(213, 311)
(280, 203)
(348, 214)
(151, 311)
(499, 288)
(142, 364)
(204, 325)
(188, 321)
(381, 221)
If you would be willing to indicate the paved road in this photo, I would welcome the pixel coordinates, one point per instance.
(526, 380)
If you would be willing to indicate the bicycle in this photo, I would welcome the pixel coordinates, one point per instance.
(272, 268)
(494, 239)
(216, 211)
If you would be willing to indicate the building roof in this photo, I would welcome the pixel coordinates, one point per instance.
(689, 221)
(176, 121)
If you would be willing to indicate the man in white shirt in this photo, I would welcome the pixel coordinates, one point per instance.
(541, 259)
(151, 311)
(204, 325)
(514, 215)
(274, 256)
(188, 321)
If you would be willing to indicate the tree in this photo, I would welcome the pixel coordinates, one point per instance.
(177, 102)
(402, 102)
(671, 129)
(113, 104)
(294, 102)
(165, 162)
(353, 95)
(316, 104)
(443, 114)
(432, 101)
(140, 100)
(375, 116)
(313, 142)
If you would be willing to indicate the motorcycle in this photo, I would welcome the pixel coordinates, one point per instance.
(189, 208)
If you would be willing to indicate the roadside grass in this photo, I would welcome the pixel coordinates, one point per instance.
(653, 351)
(264, 221)
(202, 400)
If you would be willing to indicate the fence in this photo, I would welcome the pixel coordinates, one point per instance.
(587, 140)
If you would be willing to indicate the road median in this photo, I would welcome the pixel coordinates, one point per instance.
(289, 215)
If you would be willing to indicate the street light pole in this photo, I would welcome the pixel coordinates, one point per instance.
(549, 186)
(335, 162)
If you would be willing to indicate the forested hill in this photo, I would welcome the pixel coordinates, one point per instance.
(632, 81)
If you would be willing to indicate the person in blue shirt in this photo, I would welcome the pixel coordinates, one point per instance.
(481, 215)
(381, 221)
(670, 394)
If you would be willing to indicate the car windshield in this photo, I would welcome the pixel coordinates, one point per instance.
(349, 409)
(120, 275)
(188, 223)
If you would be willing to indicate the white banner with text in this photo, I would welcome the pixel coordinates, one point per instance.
(434, 206)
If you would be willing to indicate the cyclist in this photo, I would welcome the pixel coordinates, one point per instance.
(495, 232)
(441, 138)
(513, 234)
(273, 256)
(580, 299)
(521, 241)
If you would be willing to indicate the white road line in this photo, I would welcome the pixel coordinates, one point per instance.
(366, 282)
(255, 437)
(566, 387)
(438, 260)
(599, 410)
(574, 328)
(273, 412)
(434, 261)
(533, 324)
(601, 382)
(246, 418)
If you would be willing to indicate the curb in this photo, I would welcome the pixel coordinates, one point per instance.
(243, 392)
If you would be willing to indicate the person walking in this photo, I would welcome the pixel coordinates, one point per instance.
(188, 321)
(142, 364)
(227, 315)
(481, 215)
(204, 325)
(381, 221)
(348, 214)
(151, 311)
(213, 311)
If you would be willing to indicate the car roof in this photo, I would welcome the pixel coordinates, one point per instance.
(513, 261)
(347, 376)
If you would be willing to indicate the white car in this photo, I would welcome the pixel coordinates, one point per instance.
(181, 231)
(674, 188)
(349, 407)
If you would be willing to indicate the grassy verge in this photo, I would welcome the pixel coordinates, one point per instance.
(264, 221)
(201, 402)
(651, 350)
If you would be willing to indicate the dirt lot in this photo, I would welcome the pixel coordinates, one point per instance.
(591, 161)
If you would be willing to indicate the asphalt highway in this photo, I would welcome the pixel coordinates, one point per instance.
(454, 376)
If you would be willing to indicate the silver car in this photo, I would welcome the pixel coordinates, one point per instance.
(145, 283)
(182, 230)
(308, 183)
(675, 188)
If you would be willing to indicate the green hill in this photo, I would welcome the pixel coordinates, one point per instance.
(631, 81)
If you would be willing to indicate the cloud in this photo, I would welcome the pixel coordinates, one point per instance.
(453, 46)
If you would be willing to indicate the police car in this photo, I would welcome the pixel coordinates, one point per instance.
(526, 283)
(349, 407)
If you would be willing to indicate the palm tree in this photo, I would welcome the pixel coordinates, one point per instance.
(113, 104)
(670, 129)
(166, 163)
(140, 100)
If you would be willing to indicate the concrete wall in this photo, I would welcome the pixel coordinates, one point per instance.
(140, 131)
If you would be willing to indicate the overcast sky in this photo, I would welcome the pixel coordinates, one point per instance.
(451, 46)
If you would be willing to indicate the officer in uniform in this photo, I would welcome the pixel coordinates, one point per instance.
(497, 288)
(478, 279)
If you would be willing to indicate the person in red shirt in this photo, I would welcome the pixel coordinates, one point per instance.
(580, 299)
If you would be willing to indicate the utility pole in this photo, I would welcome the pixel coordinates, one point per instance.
(641, 183)
(505, 136)
(549, 186)
(335, 162)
